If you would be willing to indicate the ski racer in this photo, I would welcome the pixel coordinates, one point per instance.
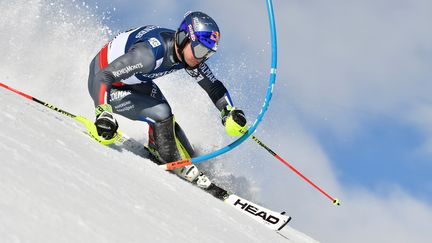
(122, 81)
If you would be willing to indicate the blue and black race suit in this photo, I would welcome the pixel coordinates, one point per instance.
(123, 73)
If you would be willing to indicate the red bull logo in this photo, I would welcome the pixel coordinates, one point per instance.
(215, 36)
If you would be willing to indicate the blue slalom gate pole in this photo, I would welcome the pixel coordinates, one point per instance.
(269, 94)
(268, 97)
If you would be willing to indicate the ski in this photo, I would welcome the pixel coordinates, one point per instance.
(274, 220)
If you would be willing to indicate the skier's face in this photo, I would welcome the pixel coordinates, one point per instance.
(189, 57)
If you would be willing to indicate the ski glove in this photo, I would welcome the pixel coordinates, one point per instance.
(234, 121)
(105, 123)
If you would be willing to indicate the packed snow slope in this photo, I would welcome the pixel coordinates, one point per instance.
(57, 185)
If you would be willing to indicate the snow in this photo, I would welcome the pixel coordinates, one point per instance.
(57, 185)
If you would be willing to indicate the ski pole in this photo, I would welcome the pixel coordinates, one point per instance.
(39, 101)
(91, 128)
(185, 162)
(334, 200)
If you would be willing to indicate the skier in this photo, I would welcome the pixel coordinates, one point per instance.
(122, 76)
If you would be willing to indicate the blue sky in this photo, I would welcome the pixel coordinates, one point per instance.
(353, 84)
(382, 155)
(351, 109)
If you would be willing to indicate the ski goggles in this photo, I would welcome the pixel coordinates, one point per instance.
(200, 51)
(205, 44)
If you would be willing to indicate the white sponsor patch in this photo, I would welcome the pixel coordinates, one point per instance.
(157, 75)
(117, 95)
(158, 63)
(127, 70)
(145, 31)
(125, 106)
(154, 42)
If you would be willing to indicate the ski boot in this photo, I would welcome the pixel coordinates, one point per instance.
(168, 142)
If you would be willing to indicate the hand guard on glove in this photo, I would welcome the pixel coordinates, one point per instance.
(234, 121)
(105, 123)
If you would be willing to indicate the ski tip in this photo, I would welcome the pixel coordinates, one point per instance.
(284, 224)
(336, 202)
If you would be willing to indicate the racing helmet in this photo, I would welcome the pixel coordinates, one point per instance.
(203, 33)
